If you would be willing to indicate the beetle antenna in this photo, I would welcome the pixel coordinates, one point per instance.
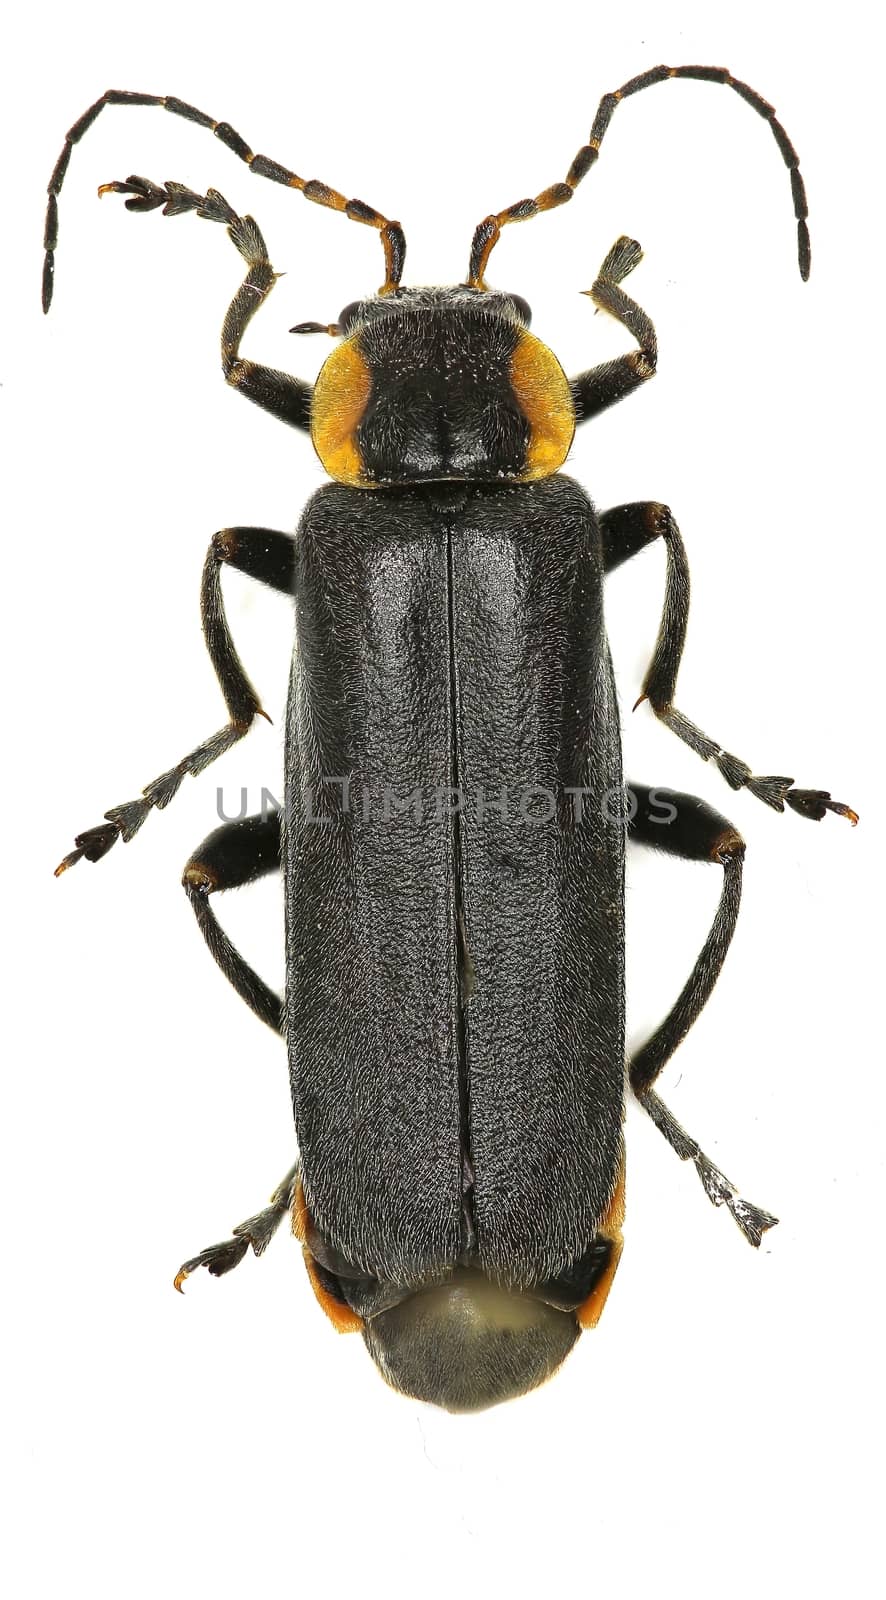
(392, 236)
(487, 233)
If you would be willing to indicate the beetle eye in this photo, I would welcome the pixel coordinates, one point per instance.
(349, 316)
(523, 309)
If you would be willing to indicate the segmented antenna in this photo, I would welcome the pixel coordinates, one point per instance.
(392, 236)
(487, 232)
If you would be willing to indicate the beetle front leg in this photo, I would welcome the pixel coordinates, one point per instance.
(284, 396)
(257, 1231)
(627, 529)
(594, 391)
(237, 853)
(684, 826)
(262, 554)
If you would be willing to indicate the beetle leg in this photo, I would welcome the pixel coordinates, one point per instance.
(627, 529)
(235, 854)
(602, 386)
(686, 827)
(285, 397)
(257, 1231)
(270, 558)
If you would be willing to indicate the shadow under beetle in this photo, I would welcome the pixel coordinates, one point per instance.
(453, 864)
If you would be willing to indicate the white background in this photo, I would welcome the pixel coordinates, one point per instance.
(720, 1431)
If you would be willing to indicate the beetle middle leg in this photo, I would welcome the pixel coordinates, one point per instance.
(627, 529)
(267, 556)
(684, 826)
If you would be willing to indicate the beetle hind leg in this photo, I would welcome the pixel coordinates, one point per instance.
(684, 826)
(237, 853)
(257, 1231)
(752, 1220)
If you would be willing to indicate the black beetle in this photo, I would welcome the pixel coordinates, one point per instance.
(452, 838)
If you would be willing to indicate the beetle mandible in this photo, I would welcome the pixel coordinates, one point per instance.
(452, 853)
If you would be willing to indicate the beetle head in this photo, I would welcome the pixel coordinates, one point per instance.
(440, 384)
